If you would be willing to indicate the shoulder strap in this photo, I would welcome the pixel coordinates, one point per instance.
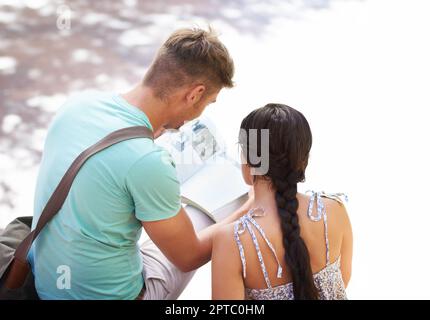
(321, 214)
(244, 223)
(57, 199)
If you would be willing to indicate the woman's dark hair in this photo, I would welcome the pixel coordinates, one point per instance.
(290, 141)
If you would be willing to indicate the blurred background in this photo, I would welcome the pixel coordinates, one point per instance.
(359, 70)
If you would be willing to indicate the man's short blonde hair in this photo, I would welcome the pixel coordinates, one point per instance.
(189, 56)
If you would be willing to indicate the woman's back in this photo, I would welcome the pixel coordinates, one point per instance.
(291, 246)
(322, 223)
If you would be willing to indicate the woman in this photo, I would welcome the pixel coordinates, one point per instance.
(290, 245)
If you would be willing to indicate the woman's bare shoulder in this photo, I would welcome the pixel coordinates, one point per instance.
(224, 236)
(224, 245)
(335, 204)
(227, 236)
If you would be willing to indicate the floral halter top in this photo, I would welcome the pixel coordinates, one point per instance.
(328, 281)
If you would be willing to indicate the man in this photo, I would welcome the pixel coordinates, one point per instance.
(90, 248)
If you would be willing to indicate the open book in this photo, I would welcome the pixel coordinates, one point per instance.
(210, 180)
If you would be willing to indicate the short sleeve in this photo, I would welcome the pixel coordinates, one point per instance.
(153, 185)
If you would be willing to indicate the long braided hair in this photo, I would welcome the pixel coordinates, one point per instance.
(290, 141)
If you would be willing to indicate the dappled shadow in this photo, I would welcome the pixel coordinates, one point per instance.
(109, 45)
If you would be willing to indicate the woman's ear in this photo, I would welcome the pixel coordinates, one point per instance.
(246, 171)
(246, 174)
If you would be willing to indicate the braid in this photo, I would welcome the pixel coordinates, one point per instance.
(296, 252)
(289, 146)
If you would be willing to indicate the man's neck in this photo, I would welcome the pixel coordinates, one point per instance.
(143, 98)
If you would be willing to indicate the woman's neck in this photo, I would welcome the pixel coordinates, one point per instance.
(264, 195)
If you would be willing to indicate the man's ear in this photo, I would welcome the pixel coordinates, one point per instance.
(195, 94)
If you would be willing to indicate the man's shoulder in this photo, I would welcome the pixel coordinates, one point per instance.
(155, 159)
(79, 105)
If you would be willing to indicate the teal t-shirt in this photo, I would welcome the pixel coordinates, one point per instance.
(89, 250)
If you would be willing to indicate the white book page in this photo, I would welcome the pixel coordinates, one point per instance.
(192, 147)
(215, 185)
